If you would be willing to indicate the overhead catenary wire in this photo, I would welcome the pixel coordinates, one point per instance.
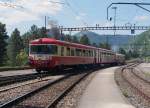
(75, 12)
(55, 2)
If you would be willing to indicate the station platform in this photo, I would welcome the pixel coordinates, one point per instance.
(16, 72)
(103, 92)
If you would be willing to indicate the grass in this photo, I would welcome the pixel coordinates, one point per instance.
(147, 74)
(7, 68)
(125, 93)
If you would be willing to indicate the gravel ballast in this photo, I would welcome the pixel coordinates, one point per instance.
(73, 97)
(129, 92)
(15, 92)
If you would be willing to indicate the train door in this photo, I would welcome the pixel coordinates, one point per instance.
(95, 56)
(100, 56)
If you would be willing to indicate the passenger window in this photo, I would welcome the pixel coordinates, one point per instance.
(72, 52)
(89, 53)
(68, 51)
(78, 52)
(83, 52)
(92, 53)
(86, 53)
(62, 51)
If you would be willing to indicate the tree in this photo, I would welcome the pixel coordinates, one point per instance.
(75, 39)
(42, 32)
(122, 51)
(26, 38)
(3, 43)
(22, 58)
(67, 38)
(84, 40)
(14, 47)
(33, 33)
(94, 45)
(105, 46)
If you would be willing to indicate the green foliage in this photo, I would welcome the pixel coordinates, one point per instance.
(3, 44)
(67, 38)
(42, 32)
(14, 46)
(140, 45)
(22, 58)
(75, 39)
(33, 33)
(95, 45)
(125, 93)
(122, 51)
(84, 40)
(105, 46)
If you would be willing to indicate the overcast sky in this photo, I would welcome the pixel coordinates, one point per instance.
(22, 14)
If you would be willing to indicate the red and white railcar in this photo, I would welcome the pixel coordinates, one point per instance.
(48, 53)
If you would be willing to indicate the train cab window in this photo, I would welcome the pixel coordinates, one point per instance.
(62, 51)
(54, 49)
(44, 49)
(68, 51)
(72, 52)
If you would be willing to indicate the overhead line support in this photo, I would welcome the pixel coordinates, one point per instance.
(124, 3)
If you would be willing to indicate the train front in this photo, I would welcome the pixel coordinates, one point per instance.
(40, 54)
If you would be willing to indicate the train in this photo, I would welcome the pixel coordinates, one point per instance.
(48, 54)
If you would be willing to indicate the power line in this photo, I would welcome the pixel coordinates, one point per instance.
(75, 12)
(57, 2)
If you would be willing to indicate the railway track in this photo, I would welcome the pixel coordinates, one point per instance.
(30, 82)
(8, 80)
(47, 95)
(138, 83)
(19, 78)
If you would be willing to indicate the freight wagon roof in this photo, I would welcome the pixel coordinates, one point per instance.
(63, 43)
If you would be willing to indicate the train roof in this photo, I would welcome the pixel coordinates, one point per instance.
(63, 43)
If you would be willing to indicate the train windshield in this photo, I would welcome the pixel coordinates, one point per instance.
(43, 49)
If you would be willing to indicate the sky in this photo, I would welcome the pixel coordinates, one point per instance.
(22, 14)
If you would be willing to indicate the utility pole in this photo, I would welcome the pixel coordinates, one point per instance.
(140, 5)
(145, 49)
(115, 8)
(45, 23)
(107, 41)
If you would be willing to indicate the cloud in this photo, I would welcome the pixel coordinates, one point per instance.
(32, 10)
(141, 18)
(81, 16)
(104, 23)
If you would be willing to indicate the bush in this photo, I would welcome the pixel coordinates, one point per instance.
(22, 58)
